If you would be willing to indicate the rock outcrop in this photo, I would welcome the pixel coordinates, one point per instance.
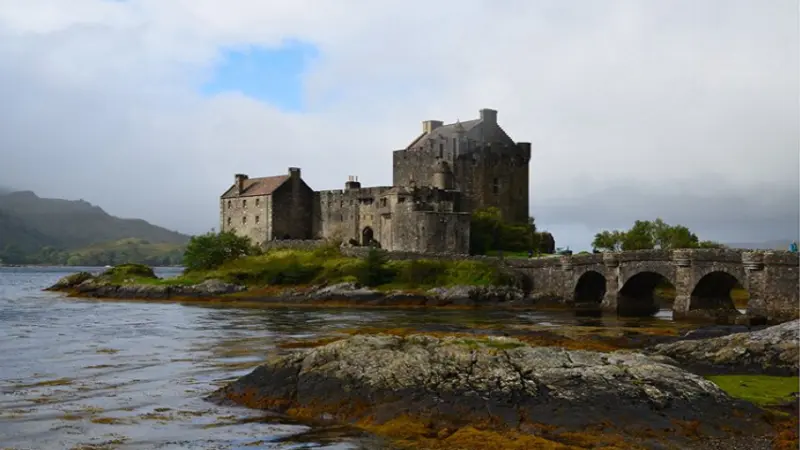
(453, 382)
(772, 350)
(84, 284)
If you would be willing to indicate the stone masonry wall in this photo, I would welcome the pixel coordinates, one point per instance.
(247, 216)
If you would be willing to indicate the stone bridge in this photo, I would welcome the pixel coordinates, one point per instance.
(624, 282)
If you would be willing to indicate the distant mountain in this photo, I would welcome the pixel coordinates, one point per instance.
(778, 244)
(28, 223)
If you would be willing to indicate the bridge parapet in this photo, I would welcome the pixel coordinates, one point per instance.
(644, 255)
(781, 258)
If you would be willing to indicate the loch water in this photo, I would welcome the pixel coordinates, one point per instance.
(88, 374)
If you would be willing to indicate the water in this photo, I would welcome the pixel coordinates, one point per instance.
(84, 374)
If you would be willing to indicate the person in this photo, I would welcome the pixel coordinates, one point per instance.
(793, 247)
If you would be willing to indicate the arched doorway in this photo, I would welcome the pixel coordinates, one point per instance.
(367, 236)
(644, 294)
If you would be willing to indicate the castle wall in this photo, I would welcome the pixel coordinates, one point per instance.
(292, 210)
(345, 213)
(247, 216)
(497, 177)
(414, 165)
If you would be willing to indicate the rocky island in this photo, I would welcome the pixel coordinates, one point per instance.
(320, 277)
(451, 392)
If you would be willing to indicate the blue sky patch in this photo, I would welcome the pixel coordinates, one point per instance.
(271, 75)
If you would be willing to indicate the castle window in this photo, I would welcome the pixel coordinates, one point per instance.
(258, 218)
(244, 204)
(496, 186)
(244, 220)
(383, 202)
(229, 221)
(229, 204)
(258, 201)
(441, 150)
(401, 199)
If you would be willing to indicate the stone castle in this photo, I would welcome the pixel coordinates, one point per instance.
(446, 172)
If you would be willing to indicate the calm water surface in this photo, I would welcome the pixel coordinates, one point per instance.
(81, 374)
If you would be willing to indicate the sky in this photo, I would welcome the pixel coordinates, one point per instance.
(678, 109)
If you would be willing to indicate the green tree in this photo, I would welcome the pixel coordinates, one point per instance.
(375, 271)
(645, 235)
(211, 250)
(608, 240)
(489, 232)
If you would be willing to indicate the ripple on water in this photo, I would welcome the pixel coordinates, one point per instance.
(89, 374)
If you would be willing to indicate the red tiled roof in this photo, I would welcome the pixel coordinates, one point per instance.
(257, 186)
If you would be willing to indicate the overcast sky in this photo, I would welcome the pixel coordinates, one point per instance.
(683, 110)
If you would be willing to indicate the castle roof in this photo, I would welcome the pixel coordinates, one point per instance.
(257, 186)
(448, 131)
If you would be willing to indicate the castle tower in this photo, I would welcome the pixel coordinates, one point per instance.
(442, 175)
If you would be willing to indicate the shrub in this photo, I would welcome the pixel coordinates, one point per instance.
(375, 271)
(130, 271)
(211, 250)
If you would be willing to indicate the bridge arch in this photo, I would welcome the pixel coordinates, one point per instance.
(589, 291)
(713, 290)
(638, 295)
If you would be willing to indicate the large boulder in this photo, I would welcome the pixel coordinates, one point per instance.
(454, 382)
(772, 350)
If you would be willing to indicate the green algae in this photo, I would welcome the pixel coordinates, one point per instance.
(763, 390)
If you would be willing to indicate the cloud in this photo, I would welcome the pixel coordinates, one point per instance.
(674, 109)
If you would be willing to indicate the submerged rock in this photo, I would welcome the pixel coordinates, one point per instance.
(454, 382)
(772, 350)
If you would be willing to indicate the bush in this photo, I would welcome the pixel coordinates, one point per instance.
(130, 271)
(375, 271)
(211, 250)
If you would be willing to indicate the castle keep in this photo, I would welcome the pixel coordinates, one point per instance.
(446, 172)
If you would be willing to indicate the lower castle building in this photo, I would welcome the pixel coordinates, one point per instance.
(446, 172)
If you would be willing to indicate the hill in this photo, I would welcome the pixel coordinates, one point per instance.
(29, 224)
(778, 244)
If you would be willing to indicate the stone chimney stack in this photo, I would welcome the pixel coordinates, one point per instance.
(352, 183)
(430, 125)
(294, 172)
(240, 177)
(489, 116)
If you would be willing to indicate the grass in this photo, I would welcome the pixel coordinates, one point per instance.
(763, 390)
(328, 265)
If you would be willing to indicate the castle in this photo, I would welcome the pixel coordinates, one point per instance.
(446, 172)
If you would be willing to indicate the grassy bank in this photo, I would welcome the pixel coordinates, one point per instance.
(328, 265)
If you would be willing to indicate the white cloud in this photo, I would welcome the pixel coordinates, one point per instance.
(697, 102)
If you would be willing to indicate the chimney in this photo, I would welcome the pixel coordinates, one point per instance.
(240, 177)
(352, 183)
(294, 172)
(430, 125)
(489, 116)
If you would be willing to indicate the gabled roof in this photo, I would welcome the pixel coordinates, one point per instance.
(450, 130)
(257, 186)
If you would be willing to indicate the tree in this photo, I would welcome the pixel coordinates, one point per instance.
(645, 235)
(608, 240)
(209, 251)
(489, 232)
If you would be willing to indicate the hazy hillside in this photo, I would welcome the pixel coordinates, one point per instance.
(71, 224)
(778, 244)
